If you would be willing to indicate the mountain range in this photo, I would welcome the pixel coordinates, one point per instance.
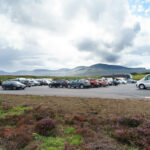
(97, 69)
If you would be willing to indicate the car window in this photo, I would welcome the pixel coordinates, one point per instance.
(148, 77)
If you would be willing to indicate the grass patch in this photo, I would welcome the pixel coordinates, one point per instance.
(69, 130)
(13, 111)
(57, 143)
(75, 140)
(1, 100)
(53, 143)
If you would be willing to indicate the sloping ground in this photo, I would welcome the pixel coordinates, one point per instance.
(79, 123)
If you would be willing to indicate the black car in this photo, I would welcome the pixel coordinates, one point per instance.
(58, 83)
(26, 82)
(12, 85)
(82, 83)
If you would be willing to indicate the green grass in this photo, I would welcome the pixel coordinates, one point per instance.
(75, 140)
(69, 130)
(72, 138)
(53, 143)
(138, 77)
(57, 143)
(13, 111)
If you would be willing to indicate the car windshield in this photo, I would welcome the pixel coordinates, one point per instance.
(16, 82)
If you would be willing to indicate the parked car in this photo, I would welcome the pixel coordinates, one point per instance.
(58, 83)
(23, 81)
(82, 83)
(103, 83)
(131, 81)
(144, 82)
(33, 82)
(121, 81)
(94, 82)
(43, 81)
(113, 82)
(12, 85)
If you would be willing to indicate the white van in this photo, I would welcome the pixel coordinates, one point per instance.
(144, 83)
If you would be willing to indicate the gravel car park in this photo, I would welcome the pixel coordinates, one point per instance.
(127, 91)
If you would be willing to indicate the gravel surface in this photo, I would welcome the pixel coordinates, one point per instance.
(128, 91)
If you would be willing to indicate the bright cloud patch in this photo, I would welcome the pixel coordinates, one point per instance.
(54, 34)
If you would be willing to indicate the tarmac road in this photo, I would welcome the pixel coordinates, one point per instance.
(128, 91)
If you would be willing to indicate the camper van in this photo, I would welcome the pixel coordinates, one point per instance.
(144, 82)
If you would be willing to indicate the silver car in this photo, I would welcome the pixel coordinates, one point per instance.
(144, 82)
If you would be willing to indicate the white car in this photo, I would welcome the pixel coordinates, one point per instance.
(122, 81)
(144, 82)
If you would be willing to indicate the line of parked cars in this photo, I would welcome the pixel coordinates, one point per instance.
(86, 83)
(22, 83)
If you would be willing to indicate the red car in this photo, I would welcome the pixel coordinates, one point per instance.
(94, 83)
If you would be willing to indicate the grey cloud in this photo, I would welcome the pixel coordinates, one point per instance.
(87, 45)
(97, 50)
(110, 57)
(126, 37)
(110, 51)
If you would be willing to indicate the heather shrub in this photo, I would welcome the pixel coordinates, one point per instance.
(40, 113)
(123, 135)
(132, 121)
(80, 118)
(85, 132)
(27, 119)
(45, 126)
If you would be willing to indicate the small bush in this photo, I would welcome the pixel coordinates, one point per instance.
(41, 113)
(123, 135)
(132, 121)
(45, 126)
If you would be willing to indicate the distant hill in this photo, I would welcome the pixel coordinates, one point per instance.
(97, 69)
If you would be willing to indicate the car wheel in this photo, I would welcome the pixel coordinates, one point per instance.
(50, 86)
(61, 86)
(14, 88)
(92, 85)
(69, 86)
(81, 86)
(142, 86)
(4, 88)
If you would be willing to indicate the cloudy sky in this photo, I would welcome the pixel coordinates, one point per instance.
(53, 34)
